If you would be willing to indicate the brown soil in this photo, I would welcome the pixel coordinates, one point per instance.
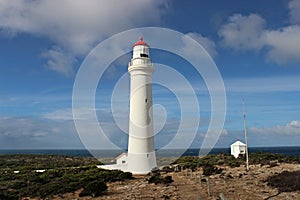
(233, 183)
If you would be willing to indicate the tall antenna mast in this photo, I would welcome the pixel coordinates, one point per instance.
(246, 140)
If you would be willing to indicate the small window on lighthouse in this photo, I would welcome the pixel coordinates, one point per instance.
(146, 100)
(144, 55)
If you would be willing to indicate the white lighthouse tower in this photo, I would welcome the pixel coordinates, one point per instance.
(141, 153)
(140, 158)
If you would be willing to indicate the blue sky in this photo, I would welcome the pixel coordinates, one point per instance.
(255, 45)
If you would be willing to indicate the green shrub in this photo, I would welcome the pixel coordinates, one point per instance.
(18, 184)
(50, 189)
(191, 162)
(210, 170)
(234, 163)
(8, 195)
(94, 189)
(285, 181)
(167, 180)
(157, 179)
(53, 181)
(125, 175)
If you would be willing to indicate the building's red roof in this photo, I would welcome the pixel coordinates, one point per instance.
(141, 42)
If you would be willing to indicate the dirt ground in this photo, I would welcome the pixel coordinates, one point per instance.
(232, 183)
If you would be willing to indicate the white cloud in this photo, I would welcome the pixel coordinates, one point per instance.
(60, 61)
(284, 45)
(16, 127)
(32, 133)
(208, 44)
(266, 84)
(294, 7)
(116, 130)
(74, 25)
(243, 32)
(249, 33)
(292, 128)
(66, 114)
(214, 133)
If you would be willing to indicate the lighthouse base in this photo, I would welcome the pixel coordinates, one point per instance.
(138, 164)
(141, 163)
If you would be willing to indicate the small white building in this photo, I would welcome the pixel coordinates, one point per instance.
(121, 163)
(121, 159)
(238, 148)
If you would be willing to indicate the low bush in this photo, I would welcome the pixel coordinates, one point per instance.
(158, 179)
(285, 181)
(94, 189)
(29, 183)
(210, 170)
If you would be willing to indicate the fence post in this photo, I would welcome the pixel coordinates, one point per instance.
(208, 187)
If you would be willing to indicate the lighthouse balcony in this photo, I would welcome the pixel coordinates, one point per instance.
(141, 69)
(139, 61)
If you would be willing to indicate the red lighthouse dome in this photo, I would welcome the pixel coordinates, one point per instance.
(141, 42)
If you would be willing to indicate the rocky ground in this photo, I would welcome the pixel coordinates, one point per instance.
(232, 183)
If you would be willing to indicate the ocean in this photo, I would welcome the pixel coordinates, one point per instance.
(289, 151)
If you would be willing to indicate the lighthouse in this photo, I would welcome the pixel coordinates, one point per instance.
(141, 152)
(140, 158)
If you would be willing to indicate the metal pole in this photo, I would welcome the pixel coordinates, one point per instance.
(246, 140)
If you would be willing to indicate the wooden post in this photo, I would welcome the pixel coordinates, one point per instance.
(208, 187)
(200, 177)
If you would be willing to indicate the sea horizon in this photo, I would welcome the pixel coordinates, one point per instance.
(105, 153)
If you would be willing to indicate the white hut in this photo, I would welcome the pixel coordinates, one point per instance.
(238, 148)
(121, 159)
(121, 163)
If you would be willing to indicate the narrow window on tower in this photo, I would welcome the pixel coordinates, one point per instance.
(144, 55)
(146, 100)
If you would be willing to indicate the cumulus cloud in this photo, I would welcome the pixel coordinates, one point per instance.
(291, 128)
(284, 45)
(294, 7)
(243, 32)
(60, 61)
(32, 133)
(21, 127)
(74, 26)
(207, 43)
(249, 33)
(57, 130)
